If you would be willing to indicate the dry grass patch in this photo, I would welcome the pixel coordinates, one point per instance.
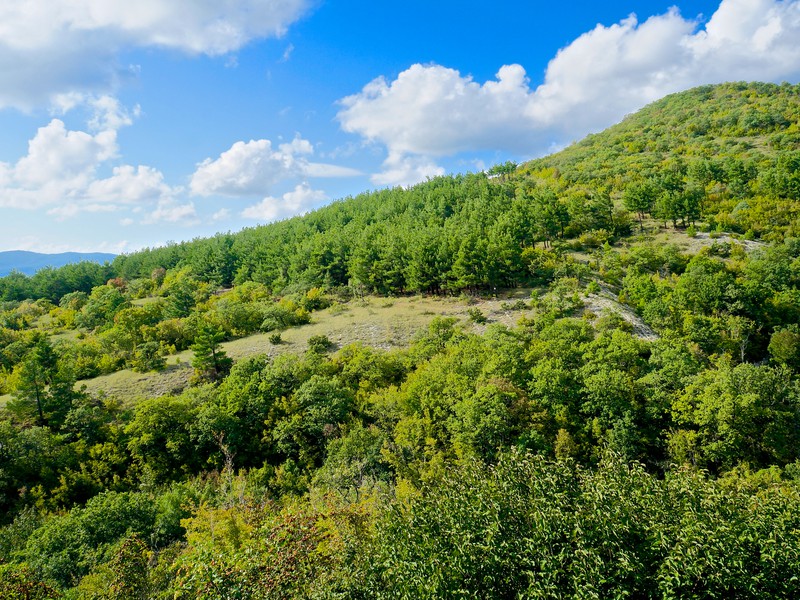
(127, 385)
(385, 323)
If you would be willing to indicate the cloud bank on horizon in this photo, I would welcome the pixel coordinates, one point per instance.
(65, 55)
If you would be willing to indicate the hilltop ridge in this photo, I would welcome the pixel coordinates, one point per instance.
(738, 120)
(726, 156)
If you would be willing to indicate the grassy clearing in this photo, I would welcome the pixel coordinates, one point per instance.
(70, 335)
(129, 386)
(656, 234)
(386, 323)
(146, 301)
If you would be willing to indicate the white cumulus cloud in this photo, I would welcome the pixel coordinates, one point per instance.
(50, 47)
(406, 170)
(130, 185)
(59, 166)
(60, 171)
(300, 200)
(109, 113)
(252, 168)
(432, 111)
(171, 211)
(59, 156)
(223, 214)
(248, 168)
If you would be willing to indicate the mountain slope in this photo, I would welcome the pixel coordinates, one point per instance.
(742, 121)
(30, 262)
(732, 150)
(721, 157)
(646, 397)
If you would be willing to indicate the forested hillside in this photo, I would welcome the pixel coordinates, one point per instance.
(636, 433)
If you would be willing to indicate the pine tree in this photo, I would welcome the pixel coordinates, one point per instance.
(42, 385)
(210, 361)
(640, 197)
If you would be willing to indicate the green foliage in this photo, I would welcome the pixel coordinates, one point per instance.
(784, 347)
(174, 333)
(210, 361)
(557, 458)
(20, 583)
(503, 169)
(147, 357)
(31, 460)
(294, 553)
(476, 316)
(743, 413)
(640, 197)
(182, 292)
(354, 464)
(43, 386)
(53, 284)
(319, 344)
(125, 576)
(67, 547)
(74, 300)
(101, 306)
(440, 331)
(283, 314)
(527, 528)
(159, 440)
(314, 413)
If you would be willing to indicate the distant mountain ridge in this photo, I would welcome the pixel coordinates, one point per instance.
(29, 262)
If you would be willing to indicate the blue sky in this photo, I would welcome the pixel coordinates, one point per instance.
(127, 125)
